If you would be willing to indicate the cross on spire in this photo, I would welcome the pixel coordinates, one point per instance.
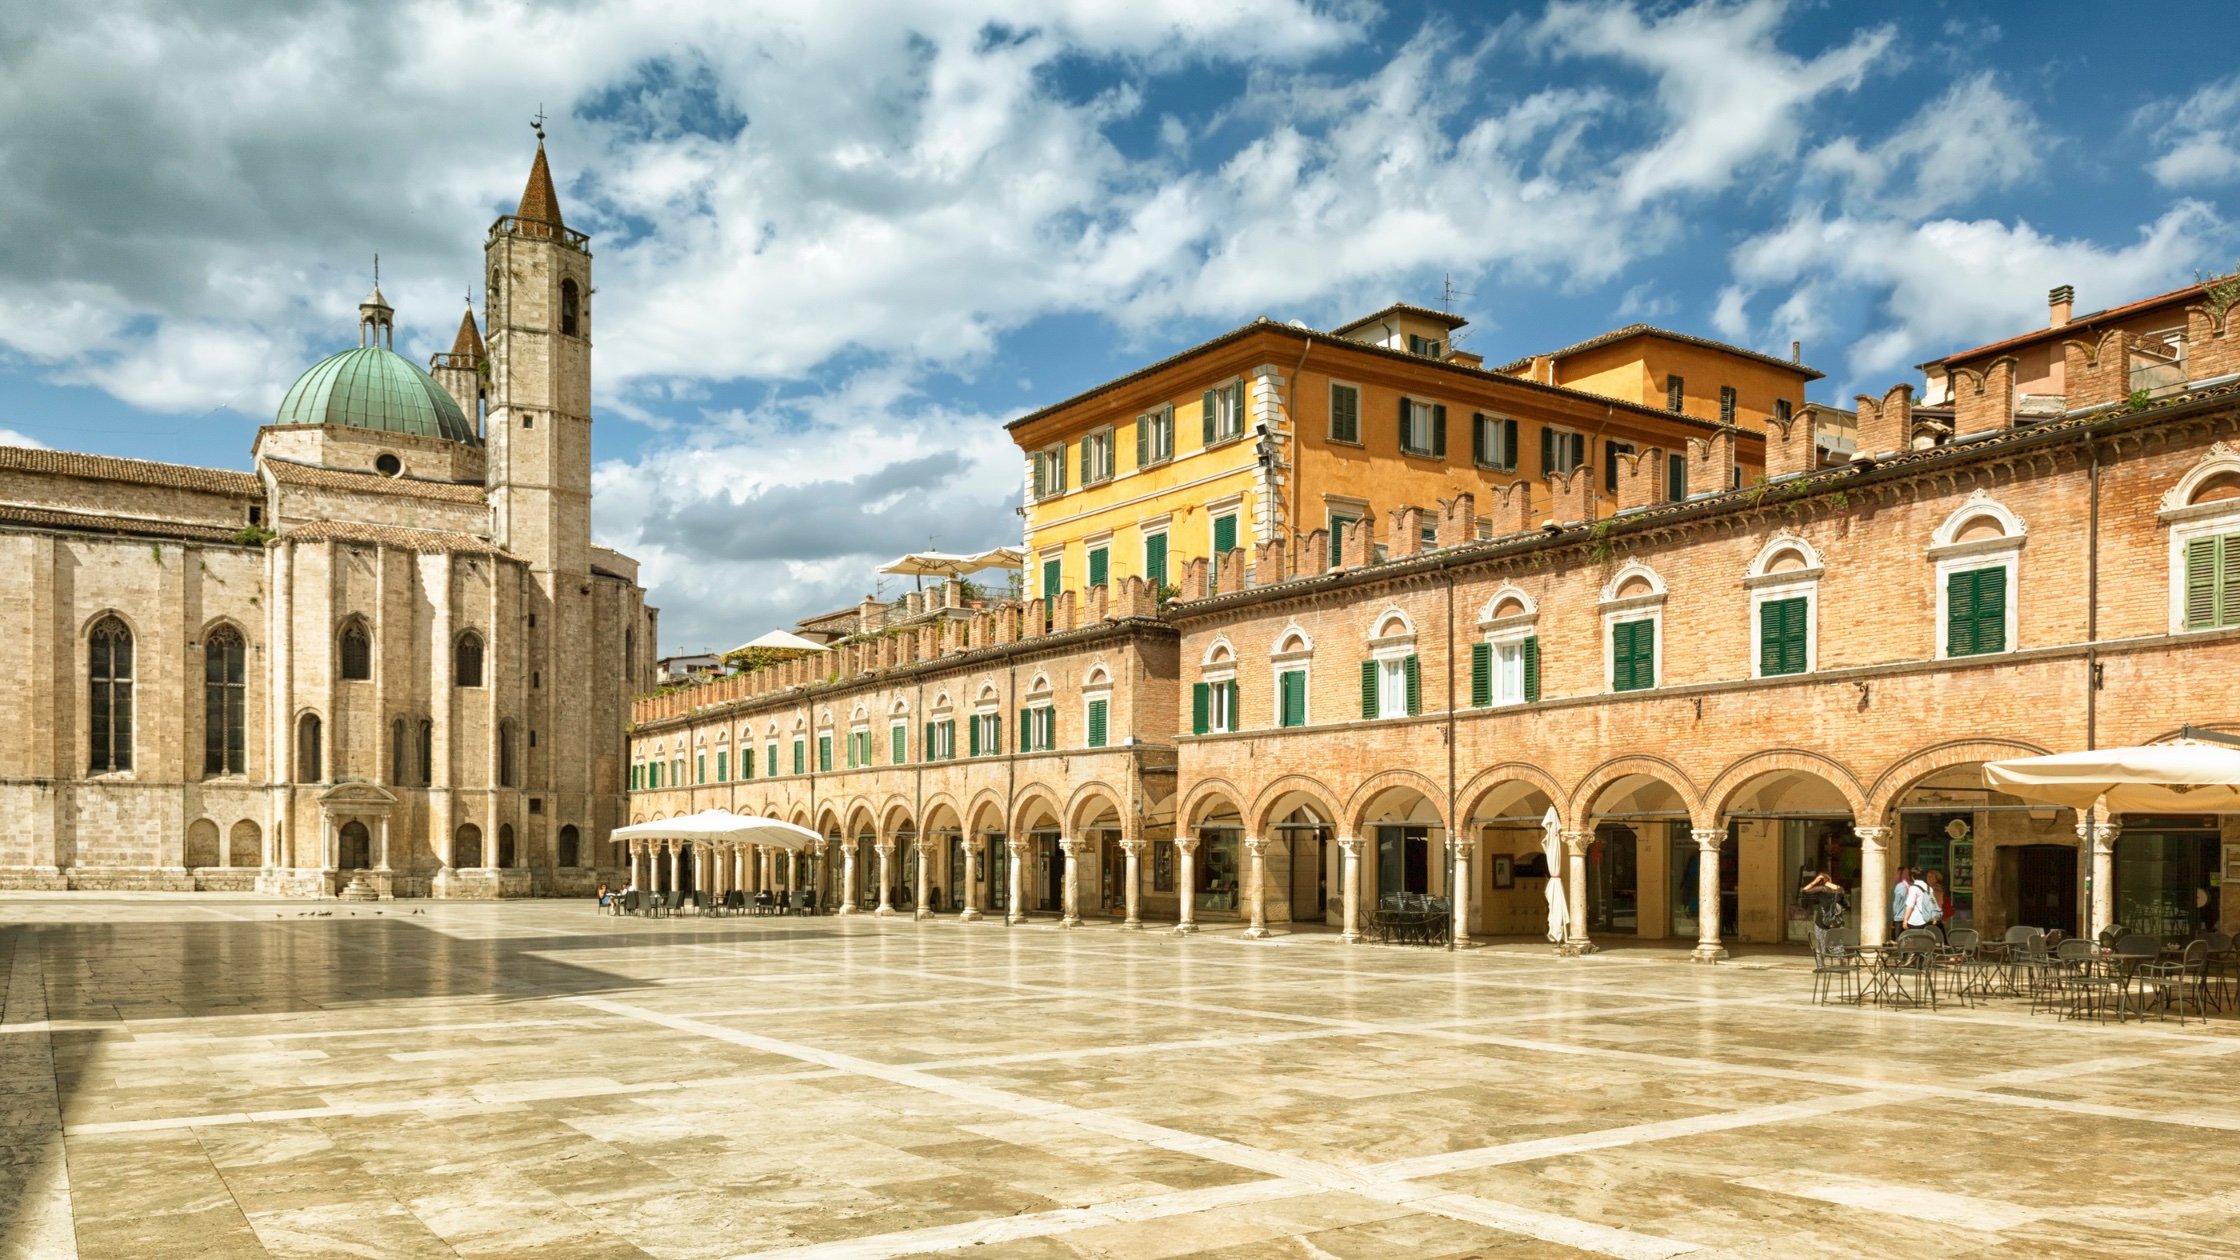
(537, 123)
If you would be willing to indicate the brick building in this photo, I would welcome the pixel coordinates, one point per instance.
(389, 661)
(1713, 696)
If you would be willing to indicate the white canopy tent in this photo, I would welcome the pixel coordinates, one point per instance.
(2177, 778)
(721, 826)
(950, 564)
(1559, 905)
(782, 640)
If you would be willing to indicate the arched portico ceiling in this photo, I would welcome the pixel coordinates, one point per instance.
(985, 813)
(1295, 798)
(1038, 809)
(1093, 805)
(1636, 794)
(1511, 792)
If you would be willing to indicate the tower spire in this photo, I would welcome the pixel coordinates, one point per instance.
(540, 202)
(376, 319)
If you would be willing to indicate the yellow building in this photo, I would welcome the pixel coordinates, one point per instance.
(1270, 432)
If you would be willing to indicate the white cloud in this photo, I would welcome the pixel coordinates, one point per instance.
(1730, 97)
(1972, 141)
(9, 437)
(2195, 136)
(1929, 288)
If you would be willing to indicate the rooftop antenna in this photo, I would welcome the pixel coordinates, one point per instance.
(1447, 294)
(537, 124)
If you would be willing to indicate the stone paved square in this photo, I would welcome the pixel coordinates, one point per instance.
(221, 1077)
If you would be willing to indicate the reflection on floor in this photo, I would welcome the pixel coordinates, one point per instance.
(228, 1077)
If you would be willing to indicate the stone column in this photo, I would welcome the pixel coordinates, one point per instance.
(924, 849)
(1349, 886)
(2098, 833)
(1707, 841)
(1459, 848)
(1015, 893)
(676, 869)
(1575, 867)
(1133, 851)
(381, 838)
(1070, 898)
(971, 911)
(847, 878)
(886, 880)
(1874, 885)
(1256, 857)
(1186, 884)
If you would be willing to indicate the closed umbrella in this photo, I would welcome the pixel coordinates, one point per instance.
(2183, 777)
(1559, 907)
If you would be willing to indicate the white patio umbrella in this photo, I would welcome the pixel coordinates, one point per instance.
(1559, 907)
(724, 826)
(2183, 777)
(783, 640)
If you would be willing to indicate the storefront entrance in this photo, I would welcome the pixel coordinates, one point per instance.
(1687, 868)
(2041, 884)
(1614, 881)
(998, 882)
(1217, 868)
(1403, 860)
(2167, 875)
(1945, 843)
(1809, 846)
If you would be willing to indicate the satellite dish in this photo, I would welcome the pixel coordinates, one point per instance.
(1298, 323)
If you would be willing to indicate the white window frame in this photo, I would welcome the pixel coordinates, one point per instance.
(1217, 671)
(2187, 520)
(1951, 556)
(1159, 445)
(1766, 586)
(1229, 403)
(1556, 430)
(1232, 506)
(1331, 430)
(1098, 445)
(1296, 660)
(1617, 611)
(1420, 421)
(1099, 688)
(1053, 460)
(1506, 636)
(1493, 432)
(1391, 653)
(870, 754)
(903, 725)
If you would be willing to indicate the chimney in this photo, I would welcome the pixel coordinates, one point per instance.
(1796, 352)
(2058, 304)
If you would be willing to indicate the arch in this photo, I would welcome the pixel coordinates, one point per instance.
(1392, 623)
(1381, 784)
(985, 803)
(938, 803)
(1910, 769)
(2221, 463)
(1039, 684)
(1097, 677)
(1285, 795)
(1730, 781)
(1079, 814)
(1202, 793)
(508, 757)
(354, 650)
(861, 713)
(900, 707)
(568, 847)
(860, 820)
(1484, 785)
(941, 700)
(506, 852)
(466, 847)
(894, 815)
(1293, 640)
(353, 847)
(310, 749)
(202, 845)
(1218, 652)
(1976, 507)
(466, 659)
(1507, 593)
(245, 845)
(1785, 542)
(570, 301)
(225, 699)
(1035, 800)
(1628, 573)
(799, 816)
(828, 821)
(1581, 806)
(109, 681)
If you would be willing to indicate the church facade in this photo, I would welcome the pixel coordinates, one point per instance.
(388, 661)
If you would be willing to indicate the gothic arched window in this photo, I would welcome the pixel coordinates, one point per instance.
(357, 653)
(466, 668)
(427, 752)
(225, 702)
(396, 752)
(308, 748)
(505, 753)
(570, 846)
(109, 670)
(568, 298)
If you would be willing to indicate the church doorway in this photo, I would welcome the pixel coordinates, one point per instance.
(466, 848)
(356, 847)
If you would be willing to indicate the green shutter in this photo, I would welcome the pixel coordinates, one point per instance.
(1368, 689)
(1481, 674)
(1478, 437)
(723, 767)
(1207, 403)
(1402, 432)
(1225, 535)
(1236, 404)
(1201, 708)
(824, 754)
(1143, 440)
(2228, 580)
(972, 737)
(1050, 579)
(700, 768)
(1026, 732)
(1439, 430)
(1781, 636)
(1976, 612)
(1633, 655)
(1236, 710)
(925, 747)
(1155, 560)
(1293, 698)
(1509, 445)
(1099, 563)
(898, 739)
(1337, 537)
(1041, 481)
(1532, 669)
(1991, 610)
(1096, 723)
(2203, 560)
(1415, 687)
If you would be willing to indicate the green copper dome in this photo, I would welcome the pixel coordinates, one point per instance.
(373, 388)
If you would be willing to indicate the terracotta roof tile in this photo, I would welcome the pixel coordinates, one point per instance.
(468, 344)
(96, 523)
(540, 202)
(1651, 330)
(137, 471)
(295, 474)
(427, 541)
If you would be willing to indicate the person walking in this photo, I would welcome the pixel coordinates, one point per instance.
(1943, 901)
(1899, 893)
(1922, 911)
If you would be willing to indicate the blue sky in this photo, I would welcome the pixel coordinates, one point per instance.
(838, 245)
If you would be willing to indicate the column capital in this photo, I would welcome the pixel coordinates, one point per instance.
(1069, 845)
(1255, 844)
(1350, 845)
(1871, 837)
(1708, 838)
(1134, 845)
(1461, 845)
(1188, 844)
(2098, 832)
(1577, 839)
(1015, 845)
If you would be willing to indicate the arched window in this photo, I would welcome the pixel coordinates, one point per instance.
(466, 847)
(568, 297)
(109, 668)
(308, 749)
(357, 653)
(505, 844)
(466, 661)
(427, 752)
(225, 702)
(396, 752)
(569, 844)
(505, 753)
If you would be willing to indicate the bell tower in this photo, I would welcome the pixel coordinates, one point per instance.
(537, 437)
